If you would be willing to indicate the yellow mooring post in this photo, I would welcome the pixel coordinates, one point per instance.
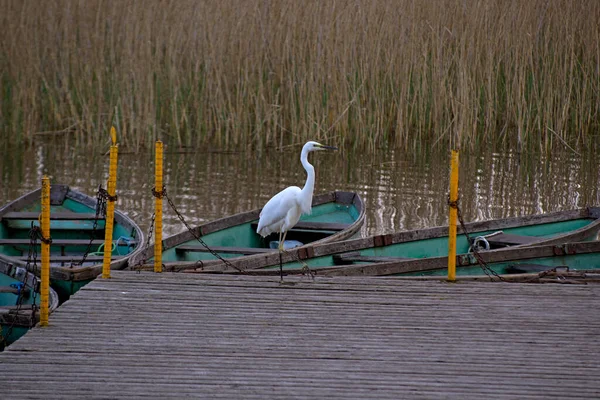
(158, 187)
(45, 275)
(110, 207)
(453, 213)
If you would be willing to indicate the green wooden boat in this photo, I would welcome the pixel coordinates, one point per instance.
(76, 230)
(335, 216)
(19, 291)
(524, 264)
(423, 245)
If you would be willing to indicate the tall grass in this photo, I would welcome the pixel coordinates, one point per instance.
(369, 73)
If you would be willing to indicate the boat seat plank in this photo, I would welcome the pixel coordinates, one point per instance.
(63, 216)
(73, 258)
(314, 226)
(507, 239)
(9, 289)
(321, 226)
(223, 249)
(528, 268)
(65, 242)
(355, 256)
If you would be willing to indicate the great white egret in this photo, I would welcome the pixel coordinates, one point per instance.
(283, 211)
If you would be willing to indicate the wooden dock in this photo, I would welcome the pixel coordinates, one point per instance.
(240, 337)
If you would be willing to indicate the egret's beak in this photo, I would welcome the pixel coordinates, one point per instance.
(323, 147)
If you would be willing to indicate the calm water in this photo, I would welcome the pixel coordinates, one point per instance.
(401, 191)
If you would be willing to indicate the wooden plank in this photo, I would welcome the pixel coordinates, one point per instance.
(13, 309)
(66, 216)
(67, 242)
(223, 249)
(524, 268)
(501, 255)
(74, 258)
(21, 319)
(506, 239)
(321, 226)
(14, 290)
(221, 336)
(314, 226)
(356, 256)
(349, 198)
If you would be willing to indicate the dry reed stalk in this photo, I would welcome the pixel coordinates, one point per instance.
(268, 73)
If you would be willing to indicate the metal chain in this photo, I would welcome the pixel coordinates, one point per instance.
(33, 255)
(150, 232)
(486, 269)
(105, 193)
(102, 197)
(541, 275)
(37, 232)
(34, 234)
(34, 307)
(163, 193)
(305, 268)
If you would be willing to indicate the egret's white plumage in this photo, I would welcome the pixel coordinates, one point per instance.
(283, 211)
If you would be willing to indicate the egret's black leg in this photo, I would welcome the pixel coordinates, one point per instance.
(280, 267)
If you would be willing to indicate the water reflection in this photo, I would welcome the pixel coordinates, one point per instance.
(401, 191)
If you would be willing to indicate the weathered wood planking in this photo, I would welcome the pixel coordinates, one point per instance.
(206, 336)
(224, 249)
(67, 242)
(64, 216)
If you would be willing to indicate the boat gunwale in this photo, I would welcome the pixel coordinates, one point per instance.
(464, 260)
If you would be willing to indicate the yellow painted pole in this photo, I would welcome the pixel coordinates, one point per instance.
(45, 274)
(158, 186)
(453, 214)
(110, 207)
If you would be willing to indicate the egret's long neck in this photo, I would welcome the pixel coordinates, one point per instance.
(309, 186)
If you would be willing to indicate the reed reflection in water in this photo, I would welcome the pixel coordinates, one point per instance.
(401, 191)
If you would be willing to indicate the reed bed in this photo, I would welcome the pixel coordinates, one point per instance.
(403, 73)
